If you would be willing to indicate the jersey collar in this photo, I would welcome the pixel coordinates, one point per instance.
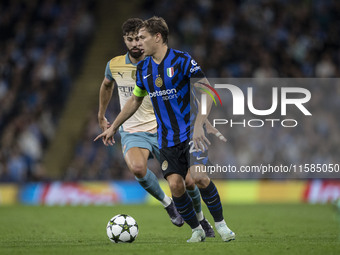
(165, 56)
(128, 61)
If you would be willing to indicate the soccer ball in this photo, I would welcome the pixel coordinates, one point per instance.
(122, 228)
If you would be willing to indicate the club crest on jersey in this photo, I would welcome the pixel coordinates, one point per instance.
(170, 72)
(165, 165)
(159, 82)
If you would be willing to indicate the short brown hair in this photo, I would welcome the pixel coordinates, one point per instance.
(131, 25)
(156, 25)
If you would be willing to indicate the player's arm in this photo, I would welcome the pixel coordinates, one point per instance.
(128, 110)
(105, 95)
(200, 140)
(193, 70)
(212, 130)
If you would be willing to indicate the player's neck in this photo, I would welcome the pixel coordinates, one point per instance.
(160, 54)
(135, 60)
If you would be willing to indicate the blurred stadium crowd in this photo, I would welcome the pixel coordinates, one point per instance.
(42, 47)
(261, 39)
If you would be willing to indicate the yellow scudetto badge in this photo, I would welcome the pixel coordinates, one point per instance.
(159, 82)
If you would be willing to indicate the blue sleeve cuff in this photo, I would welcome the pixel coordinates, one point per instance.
(108, 73)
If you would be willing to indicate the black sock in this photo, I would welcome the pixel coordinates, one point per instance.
(186, 209)
(212, 199)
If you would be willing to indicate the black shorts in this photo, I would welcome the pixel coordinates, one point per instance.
(178, 159)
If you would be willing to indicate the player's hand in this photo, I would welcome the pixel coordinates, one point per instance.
(103, 123)
(107, 136)
(212, 130)
(201, 142)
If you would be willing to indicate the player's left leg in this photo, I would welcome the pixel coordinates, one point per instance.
(136, 151)
(195, 195)
(212, 199)
(185, 207)
(136, 159)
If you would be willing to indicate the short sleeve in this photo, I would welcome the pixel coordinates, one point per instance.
(192, 69)
(108, 73)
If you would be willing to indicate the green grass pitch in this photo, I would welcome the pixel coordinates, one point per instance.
(260, 229)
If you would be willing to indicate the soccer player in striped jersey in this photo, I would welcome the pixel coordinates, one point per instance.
(165, 76)
(139, 133)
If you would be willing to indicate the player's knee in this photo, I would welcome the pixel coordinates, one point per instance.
(202, 181)
(177, 187)
(189, 184)
(138, 169)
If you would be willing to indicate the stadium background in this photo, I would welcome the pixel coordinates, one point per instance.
(52, 60)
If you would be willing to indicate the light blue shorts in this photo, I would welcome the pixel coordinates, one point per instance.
(141, 140)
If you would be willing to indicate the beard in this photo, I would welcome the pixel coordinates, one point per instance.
(135, 54)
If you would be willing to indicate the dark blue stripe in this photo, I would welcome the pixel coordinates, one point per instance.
(211, 210)
(212, 206)
(214, 190)
(206, 198)
(186, 216)
(180, 207)
(181, 200)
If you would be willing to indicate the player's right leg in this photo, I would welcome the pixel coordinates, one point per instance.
(174, 169)
(136, 158)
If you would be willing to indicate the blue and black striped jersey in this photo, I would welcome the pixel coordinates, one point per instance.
(168, 85)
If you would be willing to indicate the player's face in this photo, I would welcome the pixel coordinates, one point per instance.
(146, 42)
(131, 41)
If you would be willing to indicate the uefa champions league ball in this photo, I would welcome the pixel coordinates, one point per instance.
(122, 228)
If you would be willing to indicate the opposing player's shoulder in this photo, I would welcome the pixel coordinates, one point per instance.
(118, 60)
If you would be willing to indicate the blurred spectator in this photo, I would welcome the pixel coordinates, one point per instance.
(325, 68)
(41, 43)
